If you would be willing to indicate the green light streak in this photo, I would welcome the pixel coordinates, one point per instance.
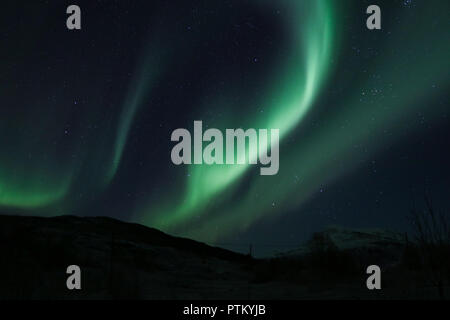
(362, 125)
(302, 76)
(140, 88)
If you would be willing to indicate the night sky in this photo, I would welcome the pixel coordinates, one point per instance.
(86, 116)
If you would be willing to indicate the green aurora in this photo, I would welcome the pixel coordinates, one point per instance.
(203, 203)
(207, 210)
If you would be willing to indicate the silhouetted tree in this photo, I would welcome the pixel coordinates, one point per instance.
(433, 238)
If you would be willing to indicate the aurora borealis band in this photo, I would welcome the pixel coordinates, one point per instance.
(86, 116)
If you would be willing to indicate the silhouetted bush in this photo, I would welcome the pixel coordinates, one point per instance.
(432, 235)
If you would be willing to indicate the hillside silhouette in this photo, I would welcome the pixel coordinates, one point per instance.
(122, 260)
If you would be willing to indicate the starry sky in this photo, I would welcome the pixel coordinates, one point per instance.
(86, 116)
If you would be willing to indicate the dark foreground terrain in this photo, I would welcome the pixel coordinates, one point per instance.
(129, 261)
